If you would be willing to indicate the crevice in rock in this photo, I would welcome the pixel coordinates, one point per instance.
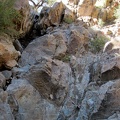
(112, 74)
(14, 106)
(32, 34)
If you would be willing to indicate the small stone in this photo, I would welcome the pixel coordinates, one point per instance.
(2, 80)
(10, 64)
(109, 32)
(51, 96)
(7, 74)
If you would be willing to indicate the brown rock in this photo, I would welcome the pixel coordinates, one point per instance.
(8, 55)
(3, 96)
(2, 81)
(56, 12)
(51, 16)
(18, 46)
(86, 7)
(108, 3)
(113, 44)
(10, 64)
(49, 77)
(110, 13)
(103, 14)
(107, 10)
(95, 12)
(78, 39)
(69, 16)
(25, 23)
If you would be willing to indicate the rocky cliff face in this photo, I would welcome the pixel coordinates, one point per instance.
(71, 72)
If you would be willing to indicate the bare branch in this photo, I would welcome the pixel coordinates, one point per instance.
(32, 2)
(39, 4)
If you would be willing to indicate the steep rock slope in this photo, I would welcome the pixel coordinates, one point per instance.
(64, 74)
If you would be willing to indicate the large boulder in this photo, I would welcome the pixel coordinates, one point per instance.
(107, 67)
(50, 16)
(95, 12)
(107, 11)
(26, 22)
(50, 78)
(5, 110)
(8, 54)
(48, 45)
(85, 7)
(69, 16)
(55, 13)
(73, 90)
(111, 65)
(30, 104)
(92, 101)
(112, 44)
(100, 9)
(110, 105)
(78, 40)
(72, 39)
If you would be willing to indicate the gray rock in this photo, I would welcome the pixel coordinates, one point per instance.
(111, 104)
(5, 112)
(31, 105)
(18, 72)
(50, 78)
(7, 74)
(2, 80)
(3, 96)
(92, 101)
(18, 46)
(47, 46)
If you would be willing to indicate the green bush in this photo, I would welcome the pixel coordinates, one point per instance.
(97, 44)
(8, 17)
(68, 20)
(66, 58)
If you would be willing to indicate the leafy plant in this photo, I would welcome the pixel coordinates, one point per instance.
(8, 17)
(68, 20)
(97, 44)
(66, 58)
